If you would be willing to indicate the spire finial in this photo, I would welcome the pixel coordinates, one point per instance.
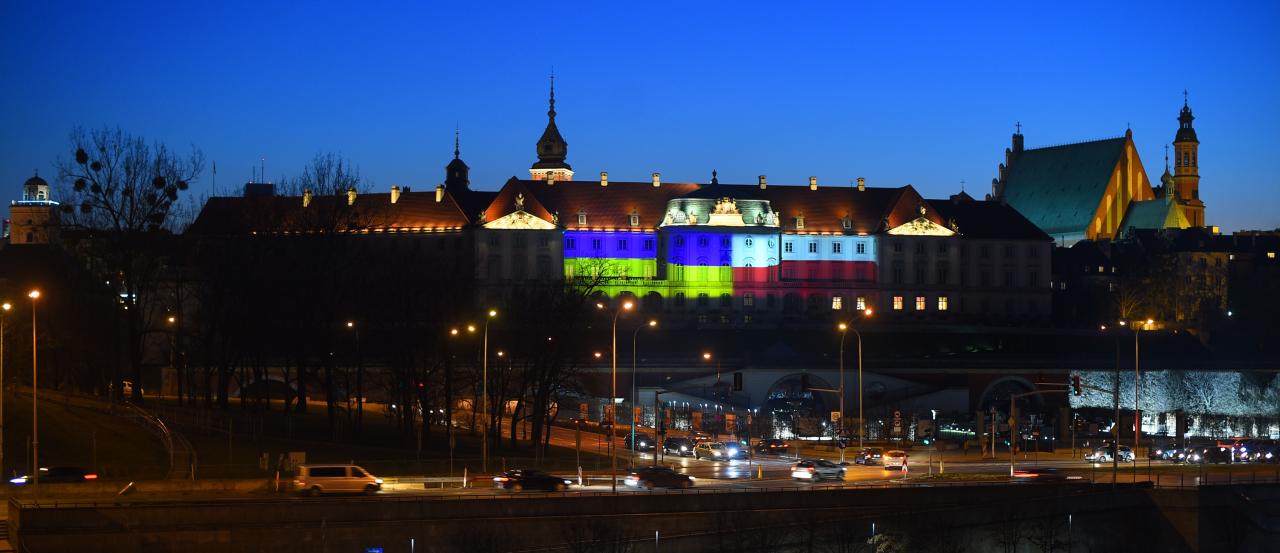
(1184, 97)
(552, 112)
(713, 177)
(1166, 157)
(1019, 125)
(455, 142)
(962, 185)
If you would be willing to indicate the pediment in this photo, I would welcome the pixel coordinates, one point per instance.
(520, 220)
(921, 226)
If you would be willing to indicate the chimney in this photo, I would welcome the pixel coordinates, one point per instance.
(604, 178)
(351, 195)
(395, 194)
(306, 197)
(862, 184)
(550, 180)
(762, 182)
(439, 193)
(813, 183)
(656, 182)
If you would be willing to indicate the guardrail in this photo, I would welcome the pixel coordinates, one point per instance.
(153, 424)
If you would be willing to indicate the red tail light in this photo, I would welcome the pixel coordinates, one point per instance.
(90, 477)
(810, 469)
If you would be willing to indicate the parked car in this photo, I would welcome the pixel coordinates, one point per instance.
(869, 456)
(58, 475)
(643, 442)
(519, 480)
(315, 480)
(698, 437)
(711, 450)
(895, 458)
(677, 446)
(772, 447)
(736, 451)
(657, 477)
(817, 469)
(1164, 451)
(1043, 474)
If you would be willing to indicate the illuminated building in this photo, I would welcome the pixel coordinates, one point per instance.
(1100, 189)
(34, 219)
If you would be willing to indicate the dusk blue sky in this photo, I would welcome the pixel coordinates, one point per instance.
(921, 94)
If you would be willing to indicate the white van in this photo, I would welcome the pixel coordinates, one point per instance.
(314, 480)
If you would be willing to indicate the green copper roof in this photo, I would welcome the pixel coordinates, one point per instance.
(1149, 214)
(1059, 188)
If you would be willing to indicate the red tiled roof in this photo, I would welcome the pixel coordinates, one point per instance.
(413, 210)
(607, 207)
(823, 208)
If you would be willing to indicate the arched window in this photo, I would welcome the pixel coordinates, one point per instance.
(748, 242)
(702, 240)
(679, 241)
(1186, 159)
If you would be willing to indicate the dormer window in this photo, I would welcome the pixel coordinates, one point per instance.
(846, 222)
(800, 219)
(634, 218)
(582, 216)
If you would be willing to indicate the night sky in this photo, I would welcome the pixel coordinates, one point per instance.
(926, 95)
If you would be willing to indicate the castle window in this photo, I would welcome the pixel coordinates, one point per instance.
(726, 300)
(679, 241)
(897, 275)
(813, 247)
(570, 243)
(519, 240)
(495, 240)
(984, 251)
(679, 301)
(862, 303)
(582, 219)
(919, 247)
(768, 301)
(897, 303)
(748, 242)
(595, 243)
(942, 247)
(788, 247)
(1033, 279)
(920, 303)
(1033, 251)
(942, 275)
(622, 244)
(837, 302)
(862, 248)
(748, 300)
(724, 241)
(942, 303)
(897, 247)
(702, 318)
(702, 240)
(837, 273)
(835, 247)
(703, 299)
(648, 244)
(635, 220)
(544, 241)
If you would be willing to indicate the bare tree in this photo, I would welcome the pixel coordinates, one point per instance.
(123, 192)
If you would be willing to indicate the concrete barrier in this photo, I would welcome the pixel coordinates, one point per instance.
(90, 489)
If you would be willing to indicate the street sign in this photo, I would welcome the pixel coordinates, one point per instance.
(1035, 433)
(842, 444)
(897, 415)
(835, 416)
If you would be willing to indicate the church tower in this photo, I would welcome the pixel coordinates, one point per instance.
(457, 176)
(552, 149)
(34, 218)
(1186, 173)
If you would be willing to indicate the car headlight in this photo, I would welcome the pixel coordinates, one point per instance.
(716, 453)
(1159, 452)
(377, 480)
(18, 480)
(566, 482)
(683, 448)
(1268, 455)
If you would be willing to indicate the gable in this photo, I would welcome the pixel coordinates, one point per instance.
(921, 226)
(1060, 188)
(521, 220)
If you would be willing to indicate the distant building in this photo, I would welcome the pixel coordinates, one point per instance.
(35, 218)
(1099, 189)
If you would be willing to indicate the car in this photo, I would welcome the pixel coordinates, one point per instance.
(643, 442)
(698, 437)
(1242, 450)
(677, 446)
(315, 480)
(1266, 455)
(772, 447)
(518, 480)
(869, 456)
(895, 458)
(715, 451)
(1164, 451)
(657, 477)
(1043, 474)
(817, 469)
(736, 451)
(58, 475)
(1208, 454)
(1103, 455)
(1184, 455)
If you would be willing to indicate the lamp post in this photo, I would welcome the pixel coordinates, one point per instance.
(359, 379)
(484, 428)
(1115, 457)
(1137, 417)
(613, 398)
(844, 328)
(634, 396)
(6, 307)
(35, 396)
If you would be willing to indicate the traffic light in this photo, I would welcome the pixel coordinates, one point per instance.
(804, 383)
(737, 382)
(1075, 383)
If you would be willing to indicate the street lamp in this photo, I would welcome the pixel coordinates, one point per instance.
(35, 396)
(844, 328)
(634, 337)
(6, 307)
(1137, 416)
(484, 429)
(612, 447)
(359, 380)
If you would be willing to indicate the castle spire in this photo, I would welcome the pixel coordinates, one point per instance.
(552, 112)
(552, 148)
(455, 143)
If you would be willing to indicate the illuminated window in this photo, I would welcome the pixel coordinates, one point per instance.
(837, 302)
(724, 318)
(862, 248)
(897, 303)
(582, 219)
(920, 300)
(835, 247)
(942, 303)
(746, 318)
(748, 300)
(1271, 255)
(862, 303)
(788, 247)
(635, 220)
(702, 318)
